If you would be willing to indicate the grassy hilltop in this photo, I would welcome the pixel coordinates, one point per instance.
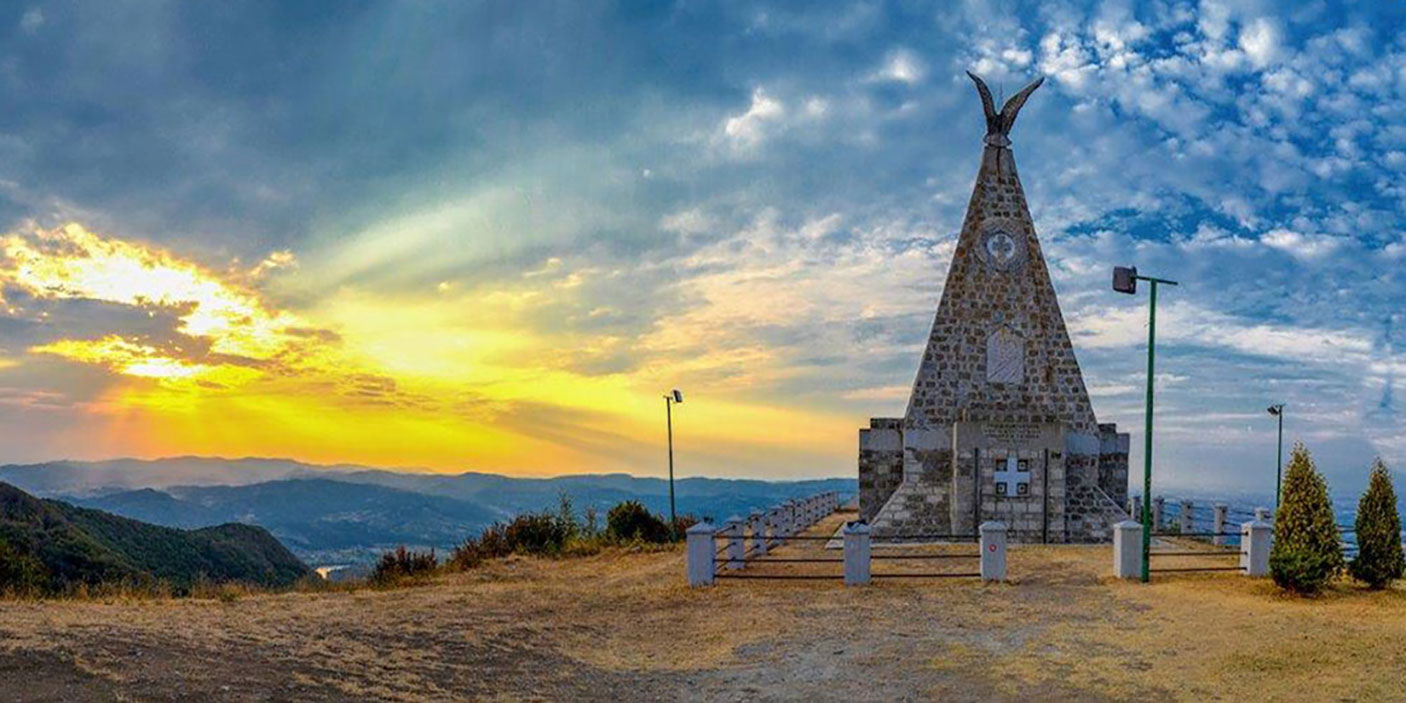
(47, 546)
(621, 625)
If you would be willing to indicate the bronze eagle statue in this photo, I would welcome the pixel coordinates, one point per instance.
(998, 124)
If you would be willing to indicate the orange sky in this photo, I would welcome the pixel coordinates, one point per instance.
(444, 378)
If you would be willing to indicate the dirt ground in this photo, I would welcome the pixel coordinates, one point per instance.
(624, 626)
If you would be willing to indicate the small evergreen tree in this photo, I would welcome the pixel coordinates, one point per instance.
(1379, 559)
(1306, 551)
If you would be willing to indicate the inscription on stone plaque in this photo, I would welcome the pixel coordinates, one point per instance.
(1005, 356)
(1010, 432)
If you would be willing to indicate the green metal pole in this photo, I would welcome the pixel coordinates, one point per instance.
(1279, 460)
(1147, 440)
(669, 420)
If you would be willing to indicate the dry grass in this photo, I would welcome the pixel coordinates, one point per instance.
(622, 625)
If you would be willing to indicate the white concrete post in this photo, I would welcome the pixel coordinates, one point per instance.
(787, 518)
(1262, 514)
(1157, 513)
(756, 522)
(1185, 517)
(857, 553)
(1134, 509)
(1256, 538)
(1127, 550)
(773, 526)
(993, 551)
(1218, 524)
(702, 554)
(736, 543)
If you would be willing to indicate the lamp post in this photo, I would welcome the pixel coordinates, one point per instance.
(1125, 280)
(670, 398)
(1277, 410)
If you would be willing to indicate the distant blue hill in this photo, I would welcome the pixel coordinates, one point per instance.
(349, 514)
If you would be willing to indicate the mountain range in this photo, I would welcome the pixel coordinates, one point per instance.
(350, 514)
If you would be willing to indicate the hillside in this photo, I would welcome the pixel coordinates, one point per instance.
(51, 546)
(622, 626)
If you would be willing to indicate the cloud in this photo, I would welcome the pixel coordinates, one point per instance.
(902, 66)
(748, 130)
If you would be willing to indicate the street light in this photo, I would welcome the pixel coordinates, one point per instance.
(1278, 412)
(1125, 280)
(669, 399)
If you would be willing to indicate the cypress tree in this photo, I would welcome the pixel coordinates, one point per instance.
(1379, 559)
(1306, 550)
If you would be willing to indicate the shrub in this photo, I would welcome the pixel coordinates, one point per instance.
(1306, 552)
(403, 564)
(631, 520)
(21, 573)
(1379, 559)
(536, 533)
(490, 544)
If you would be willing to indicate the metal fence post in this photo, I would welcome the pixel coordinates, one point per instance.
(702, 554)
(993, 551)
(858, 550)
(1127, 549)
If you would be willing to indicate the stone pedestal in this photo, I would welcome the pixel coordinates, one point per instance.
(993, 551)
(857, 553)
(1127, 550)
(701, 554)
(1256, 538)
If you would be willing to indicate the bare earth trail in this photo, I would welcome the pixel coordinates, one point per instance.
(623, 626)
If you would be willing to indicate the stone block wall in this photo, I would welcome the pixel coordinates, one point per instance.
(880, 464)
(1113, 462)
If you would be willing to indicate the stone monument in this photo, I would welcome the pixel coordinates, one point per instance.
(999, 424)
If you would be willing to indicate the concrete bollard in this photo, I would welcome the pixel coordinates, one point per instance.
(756, 522)
(736, 543)
(993, 551)
(1256, 538)
(1127, 550)
(1218, 524)
(1184, 519)
(858, 550)
(702, 554)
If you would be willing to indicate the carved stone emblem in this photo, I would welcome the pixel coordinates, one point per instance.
(1005, 356)
(1001, 250)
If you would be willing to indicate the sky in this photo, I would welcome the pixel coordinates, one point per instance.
(490, 236)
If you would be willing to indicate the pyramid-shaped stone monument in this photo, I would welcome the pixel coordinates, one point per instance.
(999, 424)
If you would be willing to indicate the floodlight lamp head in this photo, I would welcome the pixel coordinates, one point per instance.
(678, 396)
(1276, 410)
(1125, 279)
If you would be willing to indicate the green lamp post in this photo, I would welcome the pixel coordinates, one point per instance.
(1125, 280)
(1277, 411)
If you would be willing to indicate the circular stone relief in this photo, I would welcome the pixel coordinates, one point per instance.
(1002, 250)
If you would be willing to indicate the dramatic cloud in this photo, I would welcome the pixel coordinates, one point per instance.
(490, 236)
